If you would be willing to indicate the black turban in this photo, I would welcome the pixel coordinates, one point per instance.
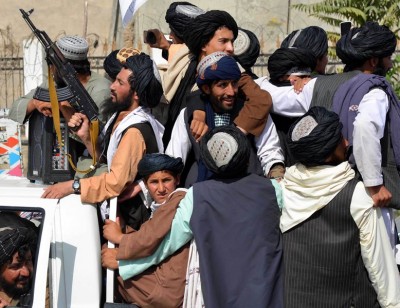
(366, 42)
(285, 60)
(247, 56)
(179, 15)
(202, 29)
(154, 162)
(312, 38)
(314, 136)
(225, 151)
(112, 65)
(14, 233)
(146, 79)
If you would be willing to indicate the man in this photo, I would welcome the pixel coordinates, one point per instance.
(337, 249)
(216, 31)
(218, 75)
(130, 133)
(234, 220)
(18, 239)
(162, 285)
(313, 39)
(75, 50)
(363, 100)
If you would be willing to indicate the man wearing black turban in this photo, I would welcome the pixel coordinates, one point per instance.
(131, 132)
(314, 39)
(161, 175)
(18, 238)
(234, 220)
(330, 225)
(365, 103)
(247, 50)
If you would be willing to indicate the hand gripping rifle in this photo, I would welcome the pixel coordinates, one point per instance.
(79, 98)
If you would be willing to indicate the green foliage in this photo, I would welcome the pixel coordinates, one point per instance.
(394, 75)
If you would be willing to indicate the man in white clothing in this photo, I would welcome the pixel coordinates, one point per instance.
(337, 249)
(364, 102)
(218, 75)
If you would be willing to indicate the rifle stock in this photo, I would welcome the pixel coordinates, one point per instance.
(82, 101)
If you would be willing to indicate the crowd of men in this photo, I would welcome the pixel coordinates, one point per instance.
(236, 190)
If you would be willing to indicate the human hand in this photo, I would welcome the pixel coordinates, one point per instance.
(380, 195)
(109, 258)
(277, 172)
(43, 107)
(198, 126)
(298, 82)
(112, 231)
(59, 190)
(3, 303)
(79, 124)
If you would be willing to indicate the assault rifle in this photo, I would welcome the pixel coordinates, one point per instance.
(78, 97)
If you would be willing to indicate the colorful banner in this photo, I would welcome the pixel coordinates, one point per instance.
(10, 157)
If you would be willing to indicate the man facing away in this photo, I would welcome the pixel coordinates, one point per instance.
(337, 248)
(130, 133)
(234, 220)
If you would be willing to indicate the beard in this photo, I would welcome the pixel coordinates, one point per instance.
(12, 290)
(109, 107)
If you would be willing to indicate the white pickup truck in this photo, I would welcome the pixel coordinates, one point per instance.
(68, 261)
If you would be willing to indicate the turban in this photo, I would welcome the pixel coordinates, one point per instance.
(146, 79)
(247, 48)
(73, 47)
(287, 61)
(217, 66)
(179, 15)
(366, 42)
(111, 64)
(154, 162)
(14, 233)
(225, 151)
(202, 29)
(314, 136)
(312, 38)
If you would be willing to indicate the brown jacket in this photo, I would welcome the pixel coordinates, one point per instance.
(162, 285)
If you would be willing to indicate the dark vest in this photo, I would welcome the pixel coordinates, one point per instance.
(324, 91)
(236, 228)
(323, 264)
(190, 174)
(133, 210)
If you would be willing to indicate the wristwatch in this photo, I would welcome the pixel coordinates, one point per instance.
(76, 186)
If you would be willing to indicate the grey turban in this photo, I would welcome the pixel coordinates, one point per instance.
(179, 15)
(363, 43)
(154, 162)
(146, 79)
(73, 47)
(314, 136)
(225, 151)
(247, 48)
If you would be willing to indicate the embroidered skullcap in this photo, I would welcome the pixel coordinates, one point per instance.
(126, 52)
(314, 136)
(73, 47)
(154, 162)
(202, 29)
(217, 66)
(312, 38)
(112, 65)
(363, 43)
(14, 233)
(179, 15)
(225, 151)
(287, 61)
(146, 79)
(247, 48)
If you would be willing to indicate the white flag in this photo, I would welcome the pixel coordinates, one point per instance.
(128, 9)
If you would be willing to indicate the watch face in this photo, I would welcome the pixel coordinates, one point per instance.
(76, 185)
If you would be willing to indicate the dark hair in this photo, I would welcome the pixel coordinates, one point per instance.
(81, 66)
